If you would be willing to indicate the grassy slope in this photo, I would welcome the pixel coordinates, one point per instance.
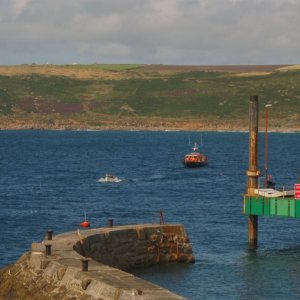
(143, 92)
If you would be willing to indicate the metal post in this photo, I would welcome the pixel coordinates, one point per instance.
(252, 231)
(48, 249)
(253, 171)
(85, 265)
(110, 222)
(49, 234)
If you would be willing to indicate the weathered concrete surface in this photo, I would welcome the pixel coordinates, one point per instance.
(60, 276)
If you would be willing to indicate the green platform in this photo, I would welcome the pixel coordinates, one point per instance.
(274, 207)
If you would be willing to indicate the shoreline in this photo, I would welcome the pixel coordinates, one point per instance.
(140, 124)
(67, 128)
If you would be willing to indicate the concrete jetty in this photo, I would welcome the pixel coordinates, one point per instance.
(92, 263)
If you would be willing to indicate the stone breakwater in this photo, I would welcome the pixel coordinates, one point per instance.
(90, 264)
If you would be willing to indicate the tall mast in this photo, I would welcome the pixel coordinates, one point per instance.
(267, 144)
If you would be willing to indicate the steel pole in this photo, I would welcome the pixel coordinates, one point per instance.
(253, 171)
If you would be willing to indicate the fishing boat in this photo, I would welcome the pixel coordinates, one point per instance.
(195, 159)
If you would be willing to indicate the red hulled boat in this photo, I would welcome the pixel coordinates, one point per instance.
(195, 159)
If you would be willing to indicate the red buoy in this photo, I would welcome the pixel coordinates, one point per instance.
(85, 224)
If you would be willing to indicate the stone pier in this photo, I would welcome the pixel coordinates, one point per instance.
(92, 263)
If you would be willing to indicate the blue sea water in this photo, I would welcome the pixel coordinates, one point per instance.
(50, 178)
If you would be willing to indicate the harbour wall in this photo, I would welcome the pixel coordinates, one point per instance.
(92, 264)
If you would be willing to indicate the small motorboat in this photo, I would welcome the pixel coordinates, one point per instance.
(110, 178)
(195, 159)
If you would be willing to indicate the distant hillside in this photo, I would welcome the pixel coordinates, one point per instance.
(146, 96)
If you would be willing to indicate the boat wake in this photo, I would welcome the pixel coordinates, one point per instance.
(103, 180)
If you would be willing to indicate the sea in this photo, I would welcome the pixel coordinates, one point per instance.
(50, 180)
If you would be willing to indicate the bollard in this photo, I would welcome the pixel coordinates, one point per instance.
(48, 249)
(85, 265)
(161, 217)
(49, 234)
(110, 222)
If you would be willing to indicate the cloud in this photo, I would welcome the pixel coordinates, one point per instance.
(152, 31)
(18, 6)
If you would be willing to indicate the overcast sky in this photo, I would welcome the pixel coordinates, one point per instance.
(196, 32)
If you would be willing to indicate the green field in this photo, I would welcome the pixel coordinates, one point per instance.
(86, 92)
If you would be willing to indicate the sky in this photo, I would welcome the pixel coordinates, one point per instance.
(172, 32)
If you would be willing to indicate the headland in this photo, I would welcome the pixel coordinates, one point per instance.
(146, 97)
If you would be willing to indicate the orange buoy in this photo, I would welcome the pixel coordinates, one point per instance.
(85, 224)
